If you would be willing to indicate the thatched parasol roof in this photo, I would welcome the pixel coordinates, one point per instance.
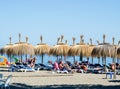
(6, 47)
(71, 51)
(79, 48)
(104, 50)
(42, 48)
(61, 49)
(21, 48)
(118, 50)
(90, 48)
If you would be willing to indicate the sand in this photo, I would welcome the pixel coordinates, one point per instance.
(48, 78)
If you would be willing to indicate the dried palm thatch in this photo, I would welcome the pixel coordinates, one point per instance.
(71, 51)
(104, 50)
(118, 50)
(42, 48)
(61, 49)
(21, 48)
(90, 48)
(6, 47)
(117, 47)
(79, 49)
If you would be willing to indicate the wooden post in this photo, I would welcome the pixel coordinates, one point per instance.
(74, 58)
(98, 60)
(115, 64)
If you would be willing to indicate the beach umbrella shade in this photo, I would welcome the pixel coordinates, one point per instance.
(5, 49)
(90, 49)
(118, 50)
(61, 49)
(21, 48)
(71, 51)
(80, 49)
(42, 49)
(104, 50)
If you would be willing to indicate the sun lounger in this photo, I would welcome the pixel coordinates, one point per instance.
(62, 71)
(27, 69)
(118, 72)
(4, 83)
(109, 73)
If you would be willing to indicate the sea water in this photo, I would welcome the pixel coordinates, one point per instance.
(46, 58)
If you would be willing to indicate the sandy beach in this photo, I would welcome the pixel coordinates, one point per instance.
(49, 80)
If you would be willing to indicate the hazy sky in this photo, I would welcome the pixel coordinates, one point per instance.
(52, 18)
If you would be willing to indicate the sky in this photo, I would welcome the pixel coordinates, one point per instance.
(53, 18)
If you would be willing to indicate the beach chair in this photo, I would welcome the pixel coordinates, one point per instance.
(26, 69)
(118, 72)
(62, 71)
(109, 73)
(5, 82)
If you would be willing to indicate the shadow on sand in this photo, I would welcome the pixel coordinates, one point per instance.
(114, 80)
(23, 86)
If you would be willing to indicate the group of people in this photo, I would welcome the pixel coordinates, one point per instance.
(67, 66)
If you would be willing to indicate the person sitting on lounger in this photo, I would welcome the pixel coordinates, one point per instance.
(33, 62)
(61, 66)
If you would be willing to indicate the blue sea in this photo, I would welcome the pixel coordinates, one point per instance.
(69, 58)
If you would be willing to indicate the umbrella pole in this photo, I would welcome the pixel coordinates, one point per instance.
(102, 60)
(57, 57)
(81, 57)
(74, 58)
(61, 57)
(115, 68)
(10, 59)
(113, 60)
(21, 58)
(42, 59)
(118, 60)
(87, 58)
(92, 60)
(105, 64)
(26, 58)
(98, 60)
(65, 58)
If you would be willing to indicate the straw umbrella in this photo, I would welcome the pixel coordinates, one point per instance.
(42, 49)
(21, 48)
(5, 49)
(116, 55)
(118, 50)
(61, 49)
(90, 49)
(104, 50)
(79, 49)
(71, 50)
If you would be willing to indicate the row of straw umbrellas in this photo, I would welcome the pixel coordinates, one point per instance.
(63, 49)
